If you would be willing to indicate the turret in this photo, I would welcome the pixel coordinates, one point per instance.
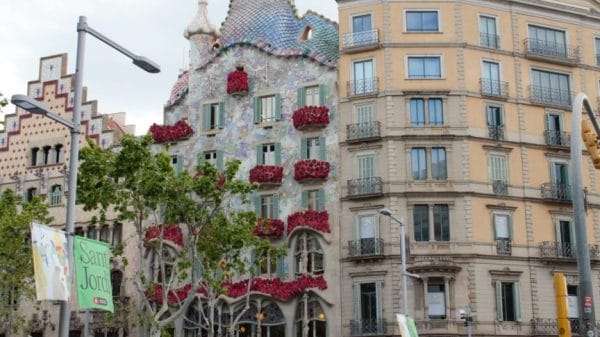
(202, 36)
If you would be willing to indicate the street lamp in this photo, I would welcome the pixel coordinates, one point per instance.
(387, 212)
(33, 106)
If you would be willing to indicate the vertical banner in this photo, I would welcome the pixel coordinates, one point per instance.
(50, 263)
(92, 267)
(407, 326)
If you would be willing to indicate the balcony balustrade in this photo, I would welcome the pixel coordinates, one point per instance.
(493, 88)
(557, 138)
(496, 131)
(550, 96)
(360, 41)
(363, 131)
(363, 87)
(504, 246)
(560, 192)
(363, 248)
(365, 327)
(365, 187)
(551, 51)
(489, 40)
(500, 187)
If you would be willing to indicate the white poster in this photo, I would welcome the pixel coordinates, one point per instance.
(50, 263)
(436, 303)
(573, 306)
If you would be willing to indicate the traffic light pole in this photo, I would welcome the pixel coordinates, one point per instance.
(586, 299)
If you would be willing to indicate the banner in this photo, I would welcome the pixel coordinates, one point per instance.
(407, 326)
(92, 267)
(50, 263)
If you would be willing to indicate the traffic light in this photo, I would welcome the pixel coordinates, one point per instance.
(591, 142)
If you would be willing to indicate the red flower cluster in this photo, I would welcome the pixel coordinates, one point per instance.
(311, 219)
(155, 293)
(311, 168)
(271, 228)
(171, 133)
(172, 233)
(266, 174)
(277, 288)
(311, 115)
(237, 81)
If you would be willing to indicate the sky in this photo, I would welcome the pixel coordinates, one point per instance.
(32, 29)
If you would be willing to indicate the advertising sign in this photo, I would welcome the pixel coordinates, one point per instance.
(92, 267)
(50, 263)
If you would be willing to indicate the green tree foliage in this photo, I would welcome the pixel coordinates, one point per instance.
(16, 265)
(142, 189)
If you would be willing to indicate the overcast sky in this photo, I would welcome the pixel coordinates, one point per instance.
(31, 29)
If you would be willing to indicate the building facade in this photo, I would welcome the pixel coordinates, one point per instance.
(456, 116)
(34, 157)
(262, 89)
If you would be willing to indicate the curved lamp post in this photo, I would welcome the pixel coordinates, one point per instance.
(33, 106)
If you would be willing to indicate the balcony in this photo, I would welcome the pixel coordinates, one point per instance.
(496, 131)
(363, 87)
(558, 192)
(551, 52)
(500, 187)
(565, 250)
(489, 40)
(504, 246)
(360, 41)
(548, 327)
(367, 327)
(362, 132)
(550, 96)
(365, 248)
(557, 138)
(365, 188)
(493, 88)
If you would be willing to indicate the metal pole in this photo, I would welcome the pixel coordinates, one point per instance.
(65, 313)
(404, 280)
(586, 302)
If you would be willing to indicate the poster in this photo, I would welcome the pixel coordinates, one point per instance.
(50, 263)
(92, 267)
(407, 326)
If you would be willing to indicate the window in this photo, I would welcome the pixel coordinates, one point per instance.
(267, 206)
(363, 78)
(436, 298)
(267, 109)
(488, 36)
(212, 116)
(361, 23)
(507, 301)
(312, 96)
(268, 154)
(364, 113)
(55, 195)
(309, 315)
(267, 264)
(503, 233)
(31, 193)
(490, 79)
(495, 121)
(433, 106)
(554, 130)
(116, 280)
(498, 168)
(313, 199)
(105, 234)
(57, 150)
(560, 181)
(424, 67)
(34, 154)
(177, 163)
(438, 163)
(215, 158)
(565, 238)
(313, 148)
(597, 42)
(368, 235)
(547, 41)
(551, 88)
(419, 163)
(117, 234)
(573, 303)
(422, 21)
(93, 233)
(368, 315)
(422, 225)
(308, 245)
(46, 155)
(211, 157)
(362, 32)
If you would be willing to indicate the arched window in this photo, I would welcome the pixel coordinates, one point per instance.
(46, 155)
(310, 318)
(55, 195)
(31, 193)
(34, 154)
(306, 34)
(308, 255)
(57, 156)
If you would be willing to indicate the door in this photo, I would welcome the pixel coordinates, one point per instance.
(554, 129)
(366, 172)
(565, 244)
(364, 117)
(363, 77)
(487, 32)
(491, 78)
(361, 30)
(367, 233)
(560, 182)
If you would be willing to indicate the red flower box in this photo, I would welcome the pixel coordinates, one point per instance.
(266, 174)
(311, 116)
(171, 133)
(311, 169)
(155, 293)
(171, 233)
(269, 228)
(237, 82)
(277, 288)
(312, 219)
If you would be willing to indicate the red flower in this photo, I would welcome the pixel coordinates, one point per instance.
(171, 233)
(311, 116)
(271, 228)
(266, 174)
(171, 133)
(277, 288)
(237, 82)
(155, 293)
(312, 219)
(311, 168)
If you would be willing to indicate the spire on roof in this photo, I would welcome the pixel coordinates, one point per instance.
(200, 24)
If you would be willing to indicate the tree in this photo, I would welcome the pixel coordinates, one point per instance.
(16, 265)
(199, 238)
(3, 101)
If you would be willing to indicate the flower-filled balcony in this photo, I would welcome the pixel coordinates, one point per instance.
(237, 82)
(155, 294)
(311, 169)
(269, 228)
(266, 174)
(277, 288)
(171, 133)
(316, 220)
(309, 117)
(171, 233)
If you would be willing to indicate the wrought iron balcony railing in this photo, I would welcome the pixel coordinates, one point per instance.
(489, 40)
(551, 50)
(365, 247)
(365, 187)
(362, 131)
(557, 249)
(496, 131)
(557, 138)
(549, 327)
(367, 327)
(551, 96)
(504, 246)
(500, 187)
(493, 88)
(554, 191)
(360, 40)
(363, 87)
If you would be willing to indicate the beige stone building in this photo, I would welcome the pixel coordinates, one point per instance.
(456, 116)
(34, 157)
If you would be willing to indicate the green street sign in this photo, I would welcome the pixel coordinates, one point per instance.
(92, 267)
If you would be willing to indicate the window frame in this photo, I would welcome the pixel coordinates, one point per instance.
(351, 21)
(501, 313)
(436, 281)
(430, 217)
(424, 76)
(497, 26)
(406, 11)
(56, 198)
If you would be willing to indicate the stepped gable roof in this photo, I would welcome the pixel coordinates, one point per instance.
(273, 26)
(180, 88)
